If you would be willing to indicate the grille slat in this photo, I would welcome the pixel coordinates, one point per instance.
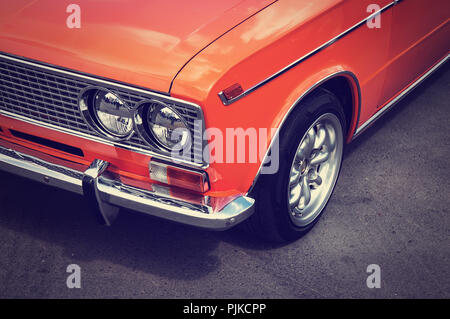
(51, 96)
(57, 109)
(28, 72)
(40, 97)
(36, 87)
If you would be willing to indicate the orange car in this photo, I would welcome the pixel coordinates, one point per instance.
(208, 113)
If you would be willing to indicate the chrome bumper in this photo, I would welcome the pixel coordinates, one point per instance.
(108, 193)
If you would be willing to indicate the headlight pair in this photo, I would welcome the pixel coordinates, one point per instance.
(157, 123)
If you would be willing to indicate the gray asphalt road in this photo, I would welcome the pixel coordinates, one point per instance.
(390, 207)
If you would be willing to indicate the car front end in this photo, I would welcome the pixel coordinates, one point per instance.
(89, 109)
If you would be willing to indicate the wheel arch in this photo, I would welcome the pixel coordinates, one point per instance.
(345, 85)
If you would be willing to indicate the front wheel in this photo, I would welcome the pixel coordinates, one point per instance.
(314, 170)
(290, 202)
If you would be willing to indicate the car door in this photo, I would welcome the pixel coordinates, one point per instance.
(420, 33)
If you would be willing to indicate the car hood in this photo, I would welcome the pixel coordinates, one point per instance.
(142, 42)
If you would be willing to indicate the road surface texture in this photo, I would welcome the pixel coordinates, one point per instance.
(390, 208)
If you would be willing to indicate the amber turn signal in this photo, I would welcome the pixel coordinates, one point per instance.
(179, 176)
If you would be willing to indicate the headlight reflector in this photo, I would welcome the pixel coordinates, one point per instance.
(168, 127)
(106, 113)
(112, 113)
(160, 124)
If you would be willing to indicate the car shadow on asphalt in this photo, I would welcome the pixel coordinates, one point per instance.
(135, 240)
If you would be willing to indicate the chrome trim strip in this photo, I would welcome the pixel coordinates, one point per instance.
(317, 84)
(110, 193)
(35, 169)
(226, 102)
(232, 214)
(100, 139)
(398, 98)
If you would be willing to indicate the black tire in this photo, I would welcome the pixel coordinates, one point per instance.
(272, 218)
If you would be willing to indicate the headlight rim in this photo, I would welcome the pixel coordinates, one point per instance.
(144, 131)
(90, 116)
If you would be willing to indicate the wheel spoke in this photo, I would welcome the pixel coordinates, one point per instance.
(307, 145)
(295, 195)
(302, 152)
(321, 137)
(311, 141)
(299, 156)
(330, 138)
(295, 174)
(305, 193)
(316, 181)
(320, 158)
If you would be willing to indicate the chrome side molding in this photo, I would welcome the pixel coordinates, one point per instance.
(227, 102)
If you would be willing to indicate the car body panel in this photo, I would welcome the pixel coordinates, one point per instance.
(364, 52)
(140, 42)
(255, 110)
(417, 27)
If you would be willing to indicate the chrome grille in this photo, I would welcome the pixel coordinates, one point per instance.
(49, 95)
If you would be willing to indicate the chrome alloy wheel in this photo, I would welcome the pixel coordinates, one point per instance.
(315, 169)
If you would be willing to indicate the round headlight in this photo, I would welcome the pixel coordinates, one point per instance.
(112, 114)
(106, 113)
(158, 122)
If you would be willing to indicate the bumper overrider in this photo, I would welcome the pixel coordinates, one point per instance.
(107, 193)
